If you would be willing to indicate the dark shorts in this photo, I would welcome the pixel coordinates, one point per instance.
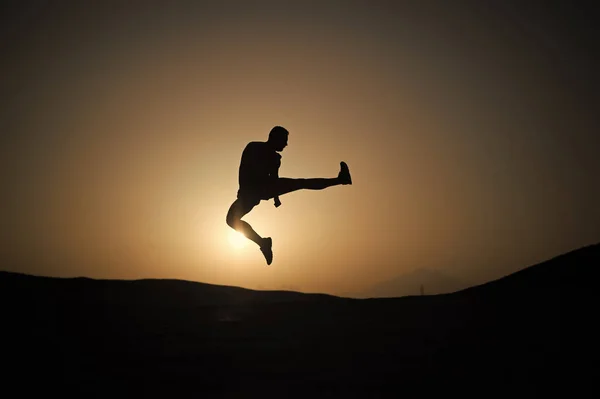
(265, 191)
(257, 193)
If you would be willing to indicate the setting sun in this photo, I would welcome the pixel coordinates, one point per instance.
(237, 240)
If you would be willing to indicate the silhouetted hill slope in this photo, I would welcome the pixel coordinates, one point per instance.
(566, 274)
(532, 332)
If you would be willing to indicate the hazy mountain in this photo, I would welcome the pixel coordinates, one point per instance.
(430, 280)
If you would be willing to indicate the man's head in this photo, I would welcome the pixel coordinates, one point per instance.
(278, 138)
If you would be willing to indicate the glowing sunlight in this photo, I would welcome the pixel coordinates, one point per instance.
(237, 240)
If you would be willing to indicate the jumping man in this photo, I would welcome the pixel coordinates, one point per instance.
(259, 180)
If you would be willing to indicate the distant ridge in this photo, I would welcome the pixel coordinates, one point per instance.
(151, 292)
(433, 282)
(569, 268)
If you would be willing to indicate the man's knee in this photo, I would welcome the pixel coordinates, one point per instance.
(238, 209)
(232, 219)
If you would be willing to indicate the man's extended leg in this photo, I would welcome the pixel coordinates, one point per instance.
(237, 210)
(287, 185)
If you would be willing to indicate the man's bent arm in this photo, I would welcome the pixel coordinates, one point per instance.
(275, 176)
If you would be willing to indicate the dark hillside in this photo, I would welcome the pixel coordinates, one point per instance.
(529, 332)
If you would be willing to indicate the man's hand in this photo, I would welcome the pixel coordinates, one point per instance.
(277, 202)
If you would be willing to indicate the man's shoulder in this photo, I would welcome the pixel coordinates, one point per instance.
(260, 148)
(255, 146)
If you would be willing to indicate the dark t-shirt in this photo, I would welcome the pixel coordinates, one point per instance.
(258, 163)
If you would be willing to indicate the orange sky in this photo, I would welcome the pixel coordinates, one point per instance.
(470, 146)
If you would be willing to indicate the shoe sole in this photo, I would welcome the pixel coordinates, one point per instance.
(345, 169)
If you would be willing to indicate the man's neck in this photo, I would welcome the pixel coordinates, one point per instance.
(270, 145)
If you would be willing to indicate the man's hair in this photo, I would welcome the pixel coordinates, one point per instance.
(278, 131)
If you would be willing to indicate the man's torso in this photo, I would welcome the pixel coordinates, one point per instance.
(258, 162)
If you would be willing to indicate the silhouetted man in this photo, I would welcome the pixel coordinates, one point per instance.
(259, 180)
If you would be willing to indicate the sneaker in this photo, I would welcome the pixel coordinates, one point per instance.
(344, 174)
(266, 249)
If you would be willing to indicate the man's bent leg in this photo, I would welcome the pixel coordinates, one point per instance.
(237, 210)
